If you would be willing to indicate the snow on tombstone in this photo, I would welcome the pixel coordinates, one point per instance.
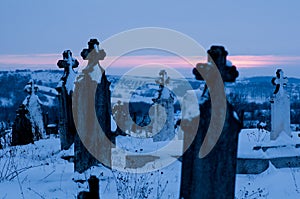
(67, 130)
(163, 124)
(33, 104)
(280, 107)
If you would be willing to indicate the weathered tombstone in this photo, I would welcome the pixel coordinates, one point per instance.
(119, 115)
(212, 176)
(280, 107)
(91, 109)
(164, 129)
(33, 104)
(67, 130)
(22, 129)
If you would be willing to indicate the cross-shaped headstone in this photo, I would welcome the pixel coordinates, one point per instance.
(216, 55)
(31, 87)
(93, 53)
(68, 63)
(279, 81)
(163, 79)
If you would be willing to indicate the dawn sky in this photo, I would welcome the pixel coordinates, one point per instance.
(259, 34)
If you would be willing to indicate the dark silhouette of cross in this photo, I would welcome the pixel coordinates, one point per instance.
(31, 87)
(68, 63)
(93, 54)
(279, 81)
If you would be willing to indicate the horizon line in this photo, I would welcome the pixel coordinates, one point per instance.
(248, 65)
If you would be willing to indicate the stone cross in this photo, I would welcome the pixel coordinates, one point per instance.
(163, 79)
(93, 54)
(67, 63)
(279, 81)
(163, 129)
(212, 176)
(280, 107)
(66, 126)
(31, 87)
(92, 114)
(33, 104)
(216, 55)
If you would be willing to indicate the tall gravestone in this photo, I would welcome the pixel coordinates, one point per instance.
(67, 130)
(22, 129)
(212, 176)
(280, 107)
(164, 128)
(33, 105)
(87, 102)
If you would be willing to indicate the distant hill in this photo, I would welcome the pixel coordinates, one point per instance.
(247, 90)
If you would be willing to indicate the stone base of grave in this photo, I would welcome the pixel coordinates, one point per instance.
(83, 160)
(214, 175)
(255, 156)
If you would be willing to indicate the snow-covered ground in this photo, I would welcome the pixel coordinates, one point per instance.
(273, 183)
(38, 171)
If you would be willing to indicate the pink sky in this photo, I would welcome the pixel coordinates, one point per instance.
(40, 61)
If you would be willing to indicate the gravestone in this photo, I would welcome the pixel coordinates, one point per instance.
(164, 129)
(88, 102)
(67, 130)
(119, 115)
(33, 105)
(280, 107)
(212, 176)
(22, 130)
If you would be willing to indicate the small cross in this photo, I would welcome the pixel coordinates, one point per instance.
(93, 53)
(31, 87)
(279, 81)
(68, 63)
(163, 79)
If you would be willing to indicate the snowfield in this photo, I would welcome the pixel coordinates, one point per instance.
(273, 183)
(38, 171)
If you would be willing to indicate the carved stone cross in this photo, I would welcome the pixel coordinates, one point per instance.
(31, 87)
(279, 81)
(93, 54)
(68, 63)
(163, 79)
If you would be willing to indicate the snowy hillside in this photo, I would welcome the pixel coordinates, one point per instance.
(38, 171)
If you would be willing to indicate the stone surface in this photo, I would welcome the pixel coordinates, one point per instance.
(164, 128)
(22, 129)
(280, 107)
(212, 176)
(33, 105)
(67, 130)
(91, 108)
(217, 55)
